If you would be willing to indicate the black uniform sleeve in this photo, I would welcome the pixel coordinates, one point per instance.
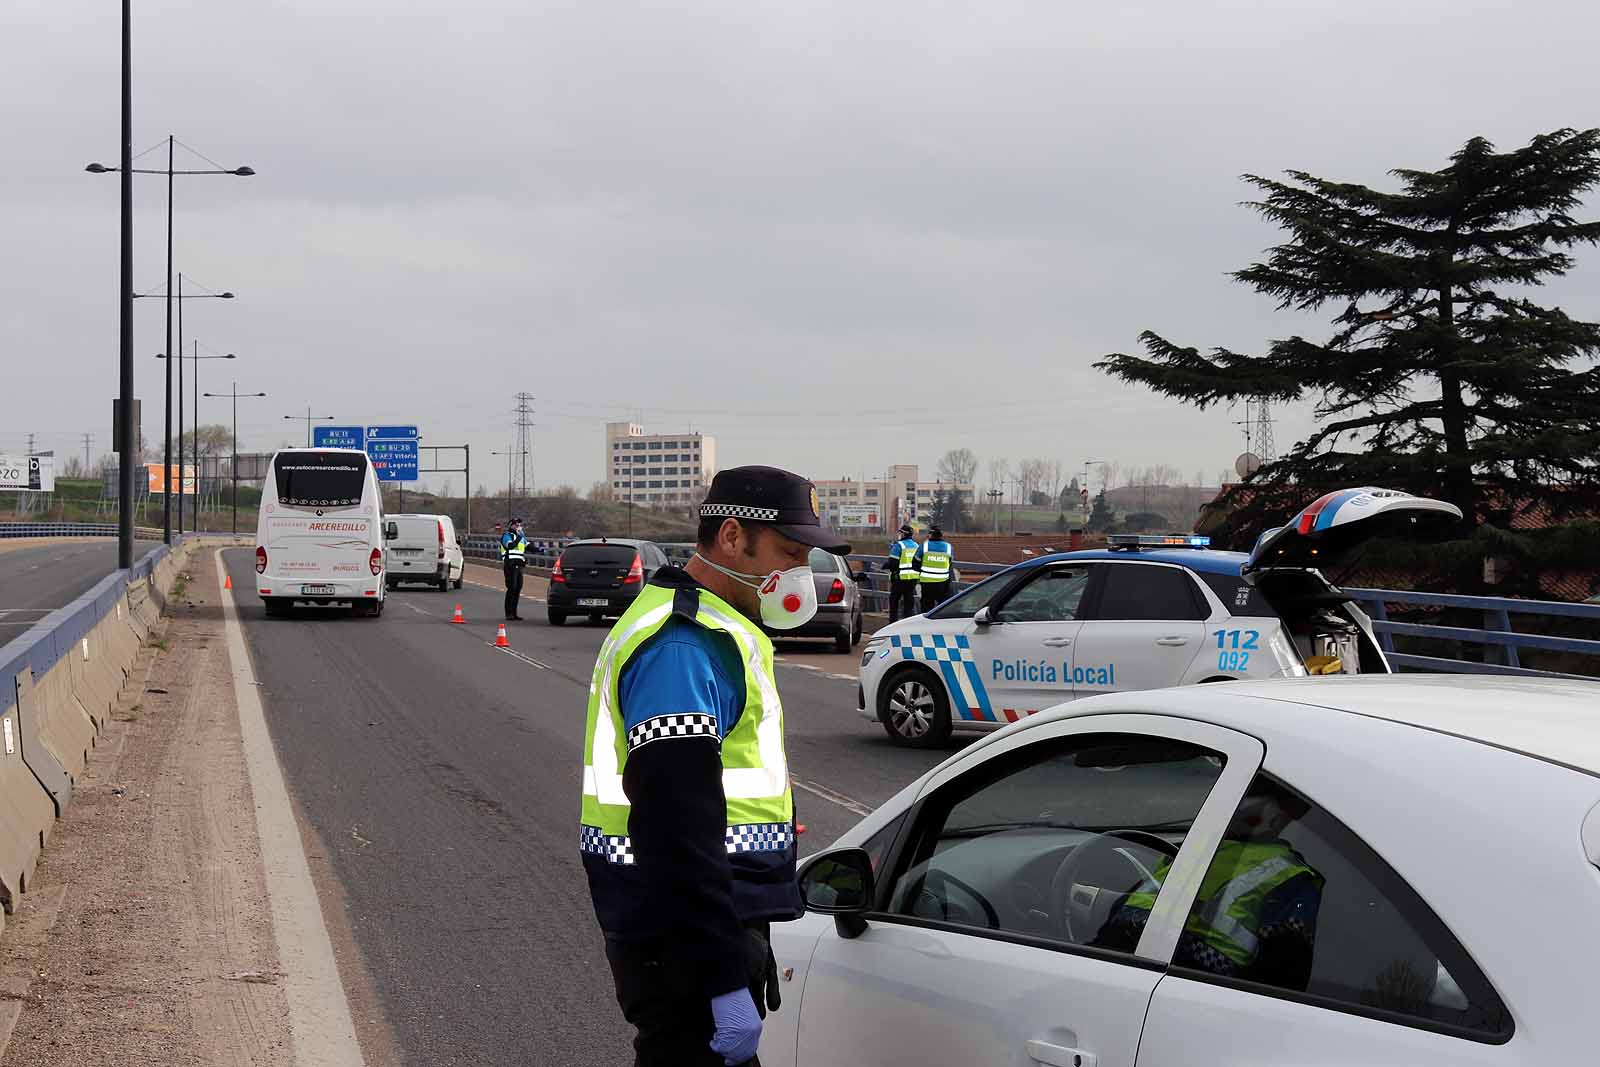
(674, 786)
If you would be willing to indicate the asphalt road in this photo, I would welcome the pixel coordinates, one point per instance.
(441, 779)
(36, 580)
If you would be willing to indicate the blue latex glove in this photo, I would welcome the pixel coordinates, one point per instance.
(738, 1027)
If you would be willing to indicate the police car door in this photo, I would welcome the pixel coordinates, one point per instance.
(1144, 626)
(1024, 653)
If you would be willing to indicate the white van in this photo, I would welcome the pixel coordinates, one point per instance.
(319, 539)
(423, 548)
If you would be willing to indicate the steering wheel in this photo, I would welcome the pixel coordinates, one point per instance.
(1084, 908)
(933, 892)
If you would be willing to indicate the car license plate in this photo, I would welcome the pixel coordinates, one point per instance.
(593, 602)
(316, 590)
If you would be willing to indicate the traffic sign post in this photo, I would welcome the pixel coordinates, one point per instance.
(338, 436)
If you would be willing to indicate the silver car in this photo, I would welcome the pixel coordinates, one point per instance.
(838, 603)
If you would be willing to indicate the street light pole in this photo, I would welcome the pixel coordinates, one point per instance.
(309, 419)
(166, 496)
(235, 395)
(128, 434)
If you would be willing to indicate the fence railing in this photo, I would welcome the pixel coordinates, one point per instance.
(58, 529)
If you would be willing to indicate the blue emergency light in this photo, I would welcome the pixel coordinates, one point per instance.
(1135, 542)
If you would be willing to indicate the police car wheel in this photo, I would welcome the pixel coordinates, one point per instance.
(914, 709)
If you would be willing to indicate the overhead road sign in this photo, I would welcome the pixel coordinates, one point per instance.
(36, 474)
(338, 436)
(393, 451)
(392, 433)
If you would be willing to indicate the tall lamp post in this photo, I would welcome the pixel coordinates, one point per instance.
(510, 457)
(166, 505)
(235, 395)
(194, 518)
(127, 170)
(994, 496)
(308, 419)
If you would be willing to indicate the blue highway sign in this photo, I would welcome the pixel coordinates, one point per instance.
(338, 436)
(391, 433)
(395, 461)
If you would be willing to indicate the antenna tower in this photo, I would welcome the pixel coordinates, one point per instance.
(525, 436)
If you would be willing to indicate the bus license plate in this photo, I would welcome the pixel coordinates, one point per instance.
(316, 590)
(593, 602)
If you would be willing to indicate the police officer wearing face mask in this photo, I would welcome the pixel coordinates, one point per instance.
(688, 821)
(513, 557)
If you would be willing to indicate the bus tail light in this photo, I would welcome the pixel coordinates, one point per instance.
(261, 560)
(375, 561)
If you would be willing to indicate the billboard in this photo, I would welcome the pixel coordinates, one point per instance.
(156, 473)
(860, 517)
(29, 474)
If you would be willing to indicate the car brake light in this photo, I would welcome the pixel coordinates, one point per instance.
(635, 572)
(836, 594)
(556, 575)
(375, 561)
(441, 539)
(261, 560)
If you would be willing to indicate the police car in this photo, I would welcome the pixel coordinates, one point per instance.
(1145, 613)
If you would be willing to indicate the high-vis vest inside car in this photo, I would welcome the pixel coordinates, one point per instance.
(755, 773)
(936, 561)
(1227, 911)
(906, 550)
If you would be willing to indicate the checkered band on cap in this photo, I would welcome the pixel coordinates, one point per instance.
(738, 511)
(680, 725)
(618, 850)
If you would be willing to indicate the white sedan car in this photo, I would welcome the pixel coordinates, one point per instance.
(1399, 870)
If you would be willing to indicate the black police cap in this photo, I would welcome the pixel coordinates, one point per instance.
(772, 497)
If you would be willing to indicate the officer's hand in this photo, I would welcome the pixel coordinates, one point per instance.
(738, 1027)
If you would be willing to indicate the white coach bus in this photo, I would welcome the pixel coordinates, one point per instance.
(320, 537)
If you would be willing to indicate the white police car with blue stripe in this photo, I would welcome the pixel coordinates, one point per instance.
(1145, 613)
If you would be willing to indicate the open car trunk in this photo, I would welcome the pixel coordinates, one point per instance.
(1332, 634)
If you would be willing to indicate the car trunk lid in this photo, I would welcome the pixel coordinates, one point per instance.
(1334, 527)
(597, 567)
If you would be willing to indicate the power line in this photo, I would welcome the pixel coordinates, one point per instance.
(525, 435)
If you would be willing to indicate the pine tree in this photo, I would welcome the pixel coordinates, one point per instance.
(1437, 378)
(1103, 519)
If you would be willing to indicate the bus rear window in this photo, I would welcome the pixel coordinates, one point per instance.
(320, 479)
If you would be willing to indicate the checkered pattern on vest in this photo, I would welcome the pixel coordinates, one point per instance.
(684, 724)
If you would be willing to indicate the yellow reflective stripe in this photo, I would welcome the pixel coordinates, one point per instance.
(771, 779)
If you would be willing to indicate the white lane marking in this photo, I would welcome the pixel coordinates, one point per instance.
(319, 1014)
(413, 607)
(814, 669)
(514, 654)
(832, 796)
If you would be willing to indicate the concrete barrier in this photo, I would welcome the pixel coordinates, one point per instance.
(58, 684)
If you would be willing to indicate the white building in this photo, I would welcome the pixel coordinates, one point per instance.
(900, 494)
(660, 469)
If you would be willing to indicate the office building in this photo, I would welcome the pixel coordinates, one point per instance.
(900, 495)
(658, 470)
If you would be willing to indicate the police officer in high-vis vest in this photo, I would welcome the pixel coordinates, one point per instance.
(933, 568)
(903, 576)
(513, 557)
(1255, 915)
(688, 822)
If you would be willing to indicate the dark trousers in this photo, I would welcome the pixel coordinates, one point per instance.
(513, 587)
(934, 594)
(902, 599)
(671, 1016)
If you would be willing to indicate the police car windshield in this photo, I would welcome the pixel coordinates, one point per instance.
(965, 605)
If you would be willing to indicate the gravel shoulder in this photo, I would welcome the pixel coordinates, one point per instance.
(146, 935)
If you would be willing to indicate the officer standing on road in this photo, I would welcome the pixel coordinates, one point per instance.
(903, 580)
(933, 566)
(688, 821)
(513, 557)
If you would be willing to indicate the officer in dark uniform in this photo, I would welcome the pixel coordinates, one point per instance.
(687, 831)
(513, 557)
(903, 575)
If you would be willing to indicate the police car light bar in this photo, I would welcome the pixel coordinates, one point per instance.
(1134, 542)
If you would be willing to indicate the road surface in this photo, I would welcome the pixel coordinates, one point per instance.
(36, 580)
(439, 779)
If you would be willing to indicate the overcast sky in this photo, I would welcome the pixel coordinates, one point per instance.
(834, 235)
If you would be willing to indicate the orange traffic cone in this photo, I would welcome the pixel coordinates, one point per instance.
(457, 618)
(500, 638)
(227, 581)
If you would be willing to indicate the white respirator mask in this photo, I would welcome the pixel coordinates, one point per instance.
(788, 598)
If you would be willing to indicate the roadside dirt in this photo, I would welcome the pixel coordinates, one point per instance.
(146, 936)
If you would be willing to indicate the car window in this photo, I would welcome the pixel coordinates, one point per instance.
(823, 562)
(1052, 841)
(1053, 595)
(1147, 591)
(1295, 901)
(965, 605)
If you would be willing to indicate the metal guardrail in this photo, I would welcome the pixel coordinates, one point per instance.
(58, 529)
(1500, 643)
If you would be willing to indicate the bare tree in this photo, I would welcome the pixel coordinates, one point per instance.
(1031, 474)
(600, 492)
(959, 466)
(999, 473)
(1058, 474)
